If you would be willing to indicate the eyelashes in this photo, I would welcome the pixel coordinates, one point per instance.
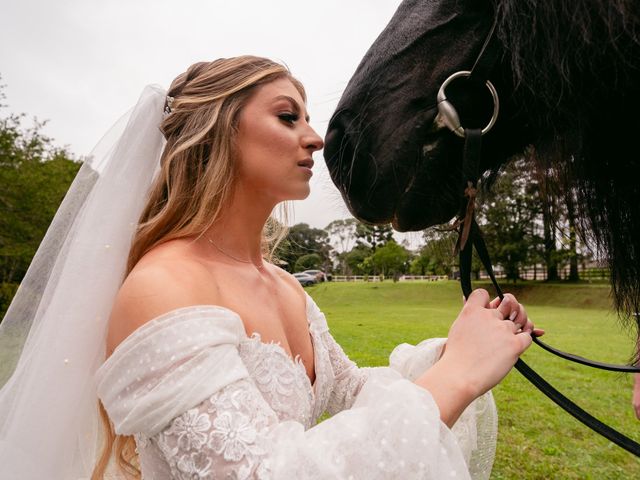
(289, 118)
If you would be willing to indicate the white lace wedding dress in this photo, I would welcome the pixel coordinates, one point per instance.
(205, 401)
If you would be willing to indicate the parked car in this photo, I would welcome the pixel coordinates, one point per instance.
(318, 274)
(305, 279)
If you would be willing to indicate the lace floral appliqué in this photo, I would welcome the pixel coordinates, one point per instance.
(225, 435)
(191, 429)
(233, 437)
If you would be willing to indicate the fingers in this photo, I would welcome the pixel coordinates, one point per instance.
(525, 340)
(522, 319)
(478, 298)
(495, 302)
(509, 307)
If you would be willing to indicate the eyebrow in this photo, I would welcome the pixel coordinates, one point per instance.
(293, 102)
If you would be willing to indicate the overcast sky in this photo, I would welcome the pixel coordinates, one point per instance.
(81, 64)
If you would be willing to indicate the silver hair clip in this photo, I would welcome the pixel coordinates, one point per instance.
(167, 105)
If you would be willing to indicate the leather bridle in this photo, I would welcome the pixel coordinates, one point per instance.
(470, 236)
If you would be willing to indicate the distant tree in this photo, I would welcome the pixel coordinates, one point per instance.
(342, 234)
(35, 176)
(572, 252)
(310, 261)
(355, 263)
(508, 215)
(437, 252)
(549, 209)
(390, 259)
(373, 236)
(420, 265)
(304, 240)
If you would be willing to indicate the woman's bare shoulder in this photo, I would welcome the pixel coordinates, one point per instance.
(289, 280)
(165, 279)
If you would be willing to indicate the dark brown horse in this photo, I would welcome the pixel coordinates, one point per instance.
(568, 76)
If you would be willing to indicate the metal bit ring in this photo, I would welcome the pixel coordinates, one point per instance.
(448, 112)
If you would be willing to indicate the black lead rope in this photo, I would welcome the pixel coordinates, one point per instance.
(470, 236)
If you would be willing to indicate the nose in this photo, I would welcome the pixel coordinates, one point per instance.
(312, 141)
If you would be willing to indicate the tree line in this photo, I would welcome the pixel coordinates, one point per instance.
(34, 177)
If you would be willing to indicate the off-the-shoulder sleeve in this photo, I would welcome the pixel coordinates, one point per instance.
(168, 365)
(180, 383)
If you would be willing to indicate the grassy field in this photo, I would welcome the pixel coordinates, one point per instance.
(536, 439)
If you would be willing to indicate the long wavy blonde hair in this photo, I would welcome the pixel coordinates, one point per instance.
(196, 180)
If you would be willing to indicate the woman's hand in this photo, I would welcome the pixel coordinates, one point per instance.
(484, 343)
(486, 340)
(515, 312)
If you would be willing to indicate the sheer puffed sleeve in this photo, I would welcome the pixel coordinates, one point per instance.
(180, 384)
(168, 365)
(475, 430)
(392, 431)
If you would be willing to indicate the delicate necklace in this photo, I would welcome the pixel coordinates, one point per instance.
(233, 257)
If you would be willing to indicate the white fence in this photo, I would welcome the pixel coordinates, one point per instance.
(429, 278)
(355, 278)
(377, 278)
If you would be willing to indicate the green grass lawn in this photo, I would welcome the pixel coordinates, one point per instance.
(536, 439)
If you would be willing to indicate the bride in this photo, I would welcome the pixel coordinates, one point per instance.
(152, 300)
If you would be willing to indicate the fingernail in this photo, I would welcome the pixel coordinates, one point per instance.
(513, 315)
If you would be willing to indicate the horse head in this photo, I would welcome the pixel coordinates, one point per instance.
(568, 78)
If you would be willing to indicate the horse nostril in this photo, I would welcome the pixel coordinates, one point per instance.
(338, 150)
(331, 140)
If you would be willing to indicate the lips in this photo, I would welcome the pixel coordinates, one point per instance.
(307, 163)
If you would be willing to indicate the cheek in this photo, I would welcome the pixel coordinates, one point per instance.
(266, 147)
(277, 141)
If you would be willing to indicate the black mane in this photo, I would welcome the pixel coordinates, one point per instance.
(576, 72)
(563, 52)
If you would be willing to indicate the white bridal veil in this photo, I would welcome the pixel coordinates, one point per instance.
(52, 339)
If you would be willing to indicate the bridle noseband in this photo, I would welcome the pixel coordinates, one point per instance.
(470, 236)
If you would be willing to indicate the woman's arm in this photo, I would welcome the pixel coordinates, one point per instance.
(483, 344)
(392, 431)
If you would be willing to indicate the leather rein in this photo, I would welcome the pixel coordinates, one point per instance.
(470, 236)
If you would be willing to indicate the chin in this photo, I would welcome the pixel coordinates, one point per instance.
(300, 194)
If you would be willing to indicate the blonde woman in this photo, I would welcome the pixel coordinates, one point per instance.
(218, 365)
